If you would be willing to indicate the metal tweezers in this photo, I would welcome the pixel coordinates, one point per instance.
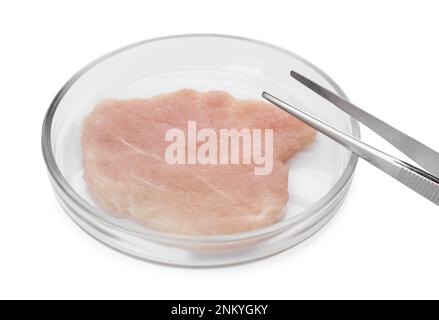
(423, 182)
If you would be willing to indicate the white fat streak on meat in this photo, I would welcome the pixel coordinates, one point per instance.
(138, 150)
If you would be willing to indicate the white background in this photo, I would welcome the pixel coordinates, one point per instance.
(383, 243)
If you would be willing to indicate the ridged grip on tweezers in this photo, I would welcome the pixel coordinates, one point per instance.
(420, 184)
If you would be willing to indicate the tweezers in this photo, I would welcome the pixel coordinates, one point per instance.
(425, 183)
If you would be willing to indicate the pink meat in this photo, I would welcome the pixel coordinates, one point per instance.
(124, 166)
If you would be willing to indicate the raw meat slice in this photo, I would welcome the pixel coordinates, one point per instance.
(124, 164)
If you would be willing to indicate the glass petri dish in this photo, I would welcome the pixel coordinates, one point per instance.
(319, 178)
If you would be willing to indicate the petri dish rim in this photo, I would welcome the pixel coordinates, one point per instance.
(99, 215)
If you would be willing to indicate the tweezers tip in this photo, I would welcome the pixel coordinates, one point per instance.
(265, 94)
(295, 75)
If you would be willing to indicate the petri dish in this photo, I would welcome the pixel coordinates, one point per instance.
(319, 176)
